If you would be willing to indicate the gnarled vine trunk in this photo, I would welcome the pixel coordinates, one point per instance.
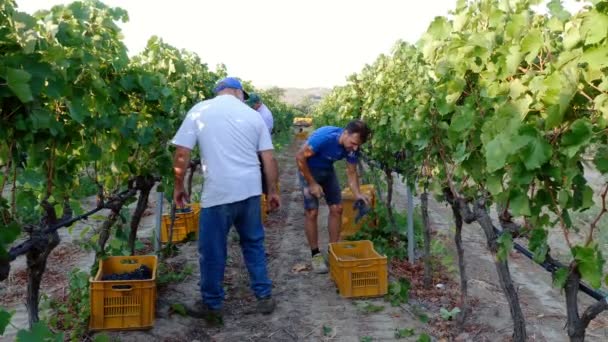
(144, 185)
(426, 226)
(502, 267)
(458, 222)
(577, 324)
(389, 200)
(38, 255)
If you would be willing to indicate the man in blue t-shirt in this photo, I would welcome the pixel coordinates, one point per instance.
(318, 178)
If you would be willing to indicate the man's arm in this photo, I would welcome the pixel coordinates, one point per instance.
(353, 181)
(302, 156)
(181, 160)
(271, 172)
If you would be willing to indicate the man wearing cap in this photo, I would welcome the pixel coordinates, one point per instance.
(255, 102)
(318, 179)
(229, 135)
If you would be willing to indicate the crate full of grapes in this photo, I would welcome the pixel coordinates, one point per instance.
(123, 293)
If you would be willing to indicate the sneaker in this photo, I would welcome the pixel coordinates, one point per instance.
(201, 310)
(266, 305)
(318, 264)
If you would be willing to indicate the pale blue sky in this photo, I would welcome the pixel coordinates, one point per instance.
(276, 42)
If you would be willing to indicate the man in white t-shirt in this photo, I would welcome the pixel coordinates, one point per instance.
(229, 136)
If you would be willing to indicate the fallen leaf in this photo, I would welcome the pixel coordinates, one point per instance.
(297, 268)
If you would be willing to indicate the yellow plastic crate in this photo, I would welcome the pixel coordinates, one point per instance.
(185, 223)
(301, 121)
(196, 207)
(123, 304)
(264, 207)
(302, 135)
(357, 269)
(349, 227)
(264, 204)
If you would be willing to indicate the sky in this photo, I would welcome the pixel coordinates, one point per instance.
(285, 43)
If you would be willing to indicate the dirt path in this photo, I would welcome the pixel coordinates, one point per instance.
(307, 302)
(543, 305)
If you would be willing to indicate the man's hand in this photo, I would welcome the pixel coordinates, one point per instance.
(180, 198)
(365, 198)
(274, 201)
(316, 190)
(271, 172)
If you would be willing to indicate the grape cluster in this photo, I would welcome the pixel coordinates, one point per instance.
(143, 272)
(183, 210)
(362, 209)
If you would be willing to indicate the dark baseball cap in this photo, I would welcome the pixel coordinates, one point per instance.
(253, 99)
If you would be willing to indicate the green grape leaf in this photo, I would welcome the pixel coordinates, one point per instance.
(439, 28)
(538, 244)
(536, 153)
(78, 110)
(531, 44)
(424, 338)
(594, 27)
(101, 338)
(18, 81)
(590, 264)
(8, 234)
(601, 159)
(596, 57)
(557, 10)
(519, 203)
(5, 319)
(94, 152)
(560, 277)
(600, 103)
(38, 332)
(576, 138)
(505, 245)
(494, 184)
(462, 121)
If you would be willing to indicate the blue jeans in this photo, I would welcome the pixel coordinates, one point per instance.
(214, 225)
(328, 180)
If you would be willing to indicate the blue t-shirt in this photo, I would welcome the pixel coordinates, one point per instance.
(324, 143)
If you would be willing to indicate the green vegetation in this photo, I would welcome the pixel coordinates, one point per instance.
(498, 105)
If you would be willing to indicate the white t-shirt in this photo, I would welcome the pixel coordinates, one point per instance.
(266, 115)
(229, 135)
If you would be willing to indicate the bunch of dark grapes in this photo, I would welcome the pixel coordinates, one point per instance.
(183, 210)
(143, 272)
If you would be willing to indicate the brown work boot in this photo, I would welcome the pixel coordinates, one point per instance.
(202, 310)
(266, 305)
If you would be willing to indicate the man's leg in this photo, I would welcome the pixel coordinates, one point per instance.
(311, 207)
(333, 197)
(334, 222)
(248, 224)
(310, 225)
(215, 222)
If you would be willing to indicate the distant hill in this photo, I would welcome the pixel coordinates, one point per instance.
(296, 96)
